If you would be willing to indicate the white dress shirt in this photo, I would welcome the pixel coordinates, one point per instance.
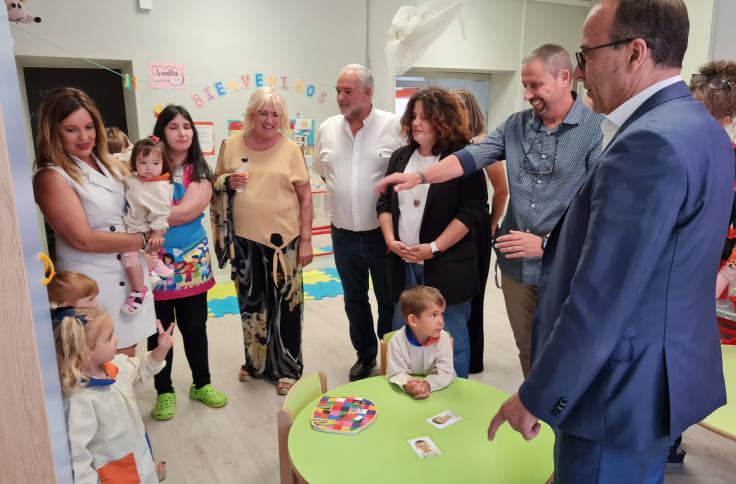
(352, 165)
(613, 121)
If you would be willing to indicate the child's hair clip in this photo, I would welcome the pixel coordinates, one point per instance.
(155, 138)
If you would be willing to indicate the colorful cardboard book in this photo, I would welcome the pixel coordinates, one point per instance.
(343, 415)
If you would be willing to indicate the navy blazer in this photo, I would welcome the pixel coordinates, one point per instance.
(625, 345)
(455, 271)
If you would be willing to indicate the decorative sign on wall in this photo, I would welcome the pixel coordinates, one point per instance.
(166, 76)
(246, 81)
(234, 126)
(206, 135)
(301, 130)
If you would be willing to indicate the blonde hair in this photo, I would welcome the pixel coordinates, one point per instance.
(75, 338)
(117, 140)
(58, 104)
(69, 287)
(258, 100)
(417, 299)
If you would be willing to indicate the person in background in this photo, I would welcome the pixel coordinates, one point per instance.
(421, 347)
(430, 229)
(351, 154)
(549, 149)
(71, 290)
(185, 299)
(80, 192)
(271, 212)
(119, 146)
(484, 232)
(715, 86)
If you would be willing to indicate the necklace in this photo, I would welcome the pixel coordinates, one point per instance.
(417, 191)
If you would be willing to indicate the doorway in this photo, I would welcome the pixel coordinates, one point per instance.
(408, 84)
(104, 87)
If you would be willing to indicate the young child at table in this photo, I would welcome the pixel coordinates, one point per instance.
(148, 193)
(421, 347)
(106, 436)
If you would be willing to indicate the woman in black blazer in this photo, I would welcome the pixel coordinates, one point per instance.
(429, 229)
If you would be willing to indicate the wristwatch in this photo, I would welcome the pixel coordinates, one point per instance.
(435, 250)
(422, 178)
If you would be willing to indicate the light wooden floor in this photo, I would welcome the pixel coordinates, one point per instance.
(237, 443)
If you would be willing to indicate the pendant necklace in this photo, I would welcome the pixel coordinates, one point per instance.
(418, 202)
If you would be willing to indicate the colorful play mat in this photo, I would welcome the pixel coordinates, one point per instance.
(319, 283)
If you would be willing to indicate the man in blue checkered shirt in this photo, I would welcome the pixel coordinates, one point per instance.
(548, 151)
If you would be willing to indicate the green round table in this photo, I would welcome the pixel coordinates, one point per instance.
(723, 420)
(381, 453)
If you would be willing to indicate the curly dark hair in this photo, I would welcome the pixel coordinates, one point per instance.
(444, 111)
(720, 102)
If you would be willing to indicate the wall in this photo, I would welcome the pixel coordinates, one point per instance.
(32, 428)
(723, 40)
(699, 40)
(493, 38)
(237, 38)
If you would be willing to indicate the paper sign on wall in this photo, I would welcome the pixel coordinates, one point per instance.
(206, 135)
(301, 130)
(234, 126)
(166, 76)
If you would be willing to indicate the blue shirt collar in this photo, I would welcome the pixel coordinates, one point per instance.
(413, 339)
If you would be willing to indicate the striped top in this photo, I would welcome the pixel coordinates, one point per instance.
(545, 169)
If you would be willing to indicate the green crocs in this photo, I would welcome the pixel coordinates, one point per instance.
(165, 407)
(209, 396)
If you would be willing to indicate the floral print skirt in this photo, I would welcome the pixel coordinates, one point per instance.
(271, 310)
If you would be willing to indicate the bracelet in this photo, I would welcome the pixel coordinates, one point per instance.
(422, 178)
(146, 240)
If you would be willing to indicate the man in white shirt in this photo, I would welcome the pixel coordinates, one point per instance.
(351, 154)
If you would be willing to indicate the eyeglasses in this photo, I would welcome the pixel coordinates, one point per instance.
(543, 167)
(580, 55)
(715, 83)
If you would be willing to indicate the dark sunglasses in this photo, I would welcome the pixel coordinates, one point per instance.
(715, 83)
(580, 55)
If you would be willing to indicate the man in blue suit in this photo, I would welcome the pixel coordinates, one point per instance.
(626, 351)
(625, 341)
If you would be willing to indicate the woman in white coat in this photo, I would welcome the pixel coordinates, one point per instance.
(79, 189)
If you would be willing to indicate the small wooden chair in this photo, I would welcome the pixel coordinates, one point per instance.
(306, 389)
(384, 350)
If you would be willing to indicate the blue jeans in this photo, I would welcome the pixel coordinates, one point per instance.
(456, 321)
(581, 460)
(358, 254)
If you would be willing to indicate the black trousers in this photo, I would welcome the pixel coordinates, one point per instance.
(475, 322)
(190, 314)
(358, 257)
